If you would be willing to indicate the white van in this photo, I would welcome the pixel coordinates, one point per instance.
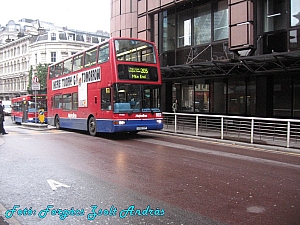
(6, 107)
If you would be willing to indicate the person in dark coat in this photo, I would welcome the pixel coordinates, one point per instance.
(2, 130)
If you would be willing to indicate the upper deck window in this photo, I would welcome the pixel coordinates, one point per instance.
(68, 66)
(103, 54)
(58, 69)
(77, 63)
(90, 57)
(135, 51)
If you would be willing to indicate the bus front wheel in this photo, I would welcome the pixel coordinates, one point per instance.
(57, 125)
(92, 126)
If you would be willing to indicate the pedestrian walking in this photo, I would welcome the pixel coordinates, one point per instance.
(2, 115)
(175, 106)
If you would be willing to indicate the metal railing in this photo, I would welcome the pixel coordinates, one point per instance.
(267, 131)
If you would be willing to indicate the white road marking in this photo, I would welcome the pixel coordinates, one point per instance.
(55, 184)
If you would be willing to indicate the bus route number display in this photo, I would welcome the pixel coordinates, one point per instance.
(138, 73)
(132, 72)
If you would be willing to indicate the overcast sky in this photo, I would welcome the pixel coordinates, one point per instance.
(88, 15)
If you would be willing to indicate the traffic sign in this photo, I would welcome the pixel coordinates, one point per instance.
(36, 86)
(35, 79)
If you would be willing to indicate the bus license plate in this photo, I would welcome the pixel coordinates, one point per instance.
(141, 128)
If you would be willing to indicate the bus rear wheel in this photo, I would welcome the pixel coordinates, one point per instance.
(92, 126)
(57, 125)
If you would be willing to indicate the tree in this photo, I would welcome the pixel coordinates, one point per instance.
(42, 71)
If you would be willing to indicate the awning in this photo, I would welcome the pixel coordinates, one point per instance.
(244, 66)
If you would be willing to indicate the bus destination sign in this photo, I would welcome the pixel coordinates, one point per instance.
(133, 72)
(138, 73)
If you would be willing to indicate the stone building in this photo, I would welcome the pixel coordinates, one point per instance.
(27, 43)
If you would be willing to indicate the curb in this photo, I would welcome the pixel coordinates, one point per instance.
(36, 125)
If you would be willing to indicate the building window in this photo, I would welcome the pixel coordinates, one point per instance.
(53, 36)
(295, 12)
(221, 21)
(201, 96)
(218, 90)
(283, 92)
(168, 31)
(198, 26)
(79, 37)
(202, 25)
(296, 111)
(184, 29)
(236, 96)
(95, 40)
(53, 57)
(88, 38)
(71, 37)
(294, 40)
(275, 15)
(62, 36)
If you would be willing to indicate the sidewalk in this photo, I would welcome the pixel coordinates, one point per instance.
(254, 131)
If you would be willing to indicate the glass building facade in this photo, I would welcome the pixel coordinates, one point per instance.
(221, 57)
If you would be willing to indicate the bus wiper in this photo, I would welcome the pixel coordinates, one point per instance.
(135, 107)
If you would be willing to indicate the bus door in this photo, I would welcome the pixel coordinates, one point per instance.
(25, 111)
(105, 96)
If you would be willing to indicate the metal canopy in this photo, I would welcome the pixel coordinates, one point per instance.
(243, 66)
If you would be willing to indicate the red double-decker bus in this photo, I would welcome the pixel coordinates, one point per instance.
(111, 87)
(29, 108)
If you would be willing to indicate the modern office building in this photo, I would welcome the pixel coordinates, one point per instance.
(28, 43)
(233, 57)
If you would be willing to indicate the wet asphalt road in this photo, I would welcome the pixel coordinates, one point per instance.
(166, 179)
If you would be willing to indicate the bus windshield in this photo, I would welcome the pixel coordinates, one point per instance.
(135, 51)
(129, 98)
(40, 104)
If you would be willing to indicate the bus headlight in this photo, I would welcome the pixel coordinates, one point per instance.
(158, 121)
(119, 122)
